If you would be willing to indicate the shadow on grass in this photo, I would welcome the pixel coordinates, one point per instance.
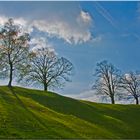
(43, 123)
(22, 104)
(109, 119)
(78, 109)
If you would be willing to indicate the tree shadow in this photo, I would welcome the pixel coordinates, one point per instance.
(30, 112)
(78, 109)
(67, 106)
(46, 128)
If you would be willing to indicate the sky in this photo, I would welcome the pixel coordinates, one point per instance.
(83, 32)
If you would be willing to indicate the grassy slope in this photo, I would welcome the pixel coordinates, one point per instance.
(26, 113)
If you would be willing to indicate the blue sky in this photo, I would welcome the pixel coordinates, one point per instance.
(85, 33)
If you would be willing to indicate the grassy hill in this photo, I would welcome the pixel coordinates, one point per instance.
(27, 113)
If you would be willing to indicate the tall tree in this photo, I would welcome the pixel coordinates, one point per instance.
(13, 48)
(107, 82)
(47, 69)
(131, 83)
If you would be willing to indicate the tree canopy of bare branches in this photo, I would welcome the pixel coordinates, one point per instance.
(45, 68)
(131, 83)
(13, 49)
(108, 77)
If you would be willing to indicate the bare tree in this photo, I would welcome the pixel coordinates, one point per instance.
(1, 69)
(47, 69)
(13, 49)
(131, 83)
(107, 82)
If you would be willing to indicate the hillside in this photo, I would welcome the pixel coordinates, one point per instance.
(27, 113)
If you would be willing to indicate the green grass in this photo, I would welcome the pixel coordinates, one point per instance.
(27, 113)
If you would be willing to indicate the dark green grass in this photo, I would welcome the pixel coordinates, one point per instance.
(27, 113)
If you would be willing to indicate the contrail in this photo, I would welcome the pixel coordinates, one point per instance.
(110, 19)
(136, 36)
(106, 14)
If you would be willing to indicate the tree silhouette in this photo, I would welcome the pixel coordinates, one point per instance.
(131, 83)
(45, 68)
(107, 82)
(13, 49)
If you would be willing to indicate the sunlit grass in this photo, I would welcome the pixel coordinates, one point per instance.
(27, 113)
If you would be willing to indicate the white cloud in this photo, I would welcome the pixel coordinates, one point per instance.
(74, 31)
(84, 17)
(3, 19)
(37, 42)
(26, 27)
(41, 42)
(90, 95)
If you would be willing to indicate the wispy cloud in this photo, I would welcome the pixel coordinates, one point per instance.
(91, 95)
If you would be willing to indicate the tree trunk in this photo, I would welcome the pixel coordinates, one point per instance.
(137, 100)
(112, 100)
(10, 76)
(45, 87)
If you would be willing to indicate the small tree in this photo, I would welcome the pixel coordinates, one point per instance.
(131, 83)
(47, 69)
(13, 49)
(107, 81)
